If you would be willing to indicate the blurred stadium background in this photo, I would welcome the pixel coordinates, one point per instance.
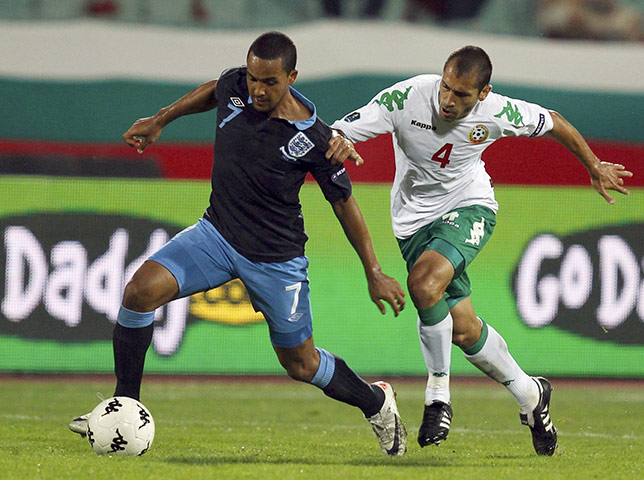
(562, 278)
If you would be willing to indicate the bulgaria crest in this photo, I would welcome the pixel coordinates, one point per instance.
(297, 147)
(479, 134)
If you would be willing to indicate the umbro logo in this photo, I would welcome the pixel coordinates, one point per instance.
(236, 101)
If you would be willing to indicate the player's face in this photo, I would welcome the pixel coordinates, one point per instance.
(267, 82)
(458, 94)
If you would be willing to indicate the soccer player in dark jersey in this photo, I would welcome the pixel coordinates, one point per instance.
(268, 138)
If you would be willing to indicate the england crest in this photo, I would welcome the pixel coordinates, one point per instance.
(297, 147)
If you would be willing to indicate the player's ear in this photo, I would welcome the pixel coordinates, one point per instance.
(292, 76)
(483, 93)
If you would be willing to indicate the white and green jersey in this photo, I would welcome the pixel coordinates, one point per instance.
(438, 164)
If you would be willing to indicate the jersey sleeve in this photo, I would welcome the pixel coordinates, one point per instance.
(520, 118)
(228, 81)
(376, 117)
(333, 180)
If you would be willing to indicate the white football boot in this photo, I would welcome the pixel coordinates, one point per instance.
(387, 425)
(79, 425)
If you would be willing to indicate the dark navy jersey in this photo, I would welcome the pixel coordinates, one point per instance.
(260, 164)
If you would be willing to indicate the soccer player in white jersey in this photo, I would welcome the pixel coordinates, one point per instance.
(443, 212)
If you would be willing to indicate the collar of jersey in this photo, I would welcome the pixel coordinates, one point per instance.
(301, 124)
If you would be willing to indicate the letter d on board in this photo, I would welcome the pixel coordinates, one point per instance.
(23, 250)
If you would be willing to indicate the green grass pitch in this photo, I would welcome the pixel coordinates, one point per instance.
(227, 429)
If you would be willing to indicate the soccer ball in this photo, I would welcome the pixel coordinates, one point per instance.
(120, 426)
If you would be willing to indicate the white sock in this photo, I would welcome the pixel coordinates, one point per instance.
(495, 361)
(436, 345)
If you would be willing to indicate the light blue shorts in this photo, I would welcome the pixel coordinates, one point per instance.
(200, 259)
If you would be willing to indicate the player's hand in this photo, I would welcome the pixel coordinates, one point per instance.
(341, 149)
(610, 177)
(143, 133)
(383, 287)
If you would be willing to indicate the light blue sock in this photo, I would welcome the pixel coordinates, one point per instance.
(131, 319)
(326, 369)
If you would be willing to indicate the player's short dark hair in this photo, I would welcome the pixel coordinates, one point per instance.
(272, 45)
(470, 59)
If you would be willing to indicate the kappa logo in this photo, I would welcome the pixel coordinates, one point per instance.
(118, 442)
(297, 147)
(450, 219)
(425, 126)
(512, 114)
(477, 232)
(236, 101)
(144, 416)
(112, 407)
(394, 99)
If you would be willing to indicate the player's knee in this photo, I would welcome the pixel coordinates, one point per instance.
(301, 368)
(137, 297)
(424, 291)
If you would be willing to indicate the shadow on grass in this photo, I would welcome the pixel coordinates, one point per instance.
(375, 461)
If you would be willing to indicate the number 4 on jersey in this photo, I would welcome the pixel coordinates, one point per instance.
(442, 156)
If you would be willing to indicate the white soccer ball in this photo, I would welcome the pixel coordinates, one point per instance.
(120, 426)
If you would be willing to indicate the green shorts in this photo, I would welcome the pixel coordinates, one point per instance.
(459, 236)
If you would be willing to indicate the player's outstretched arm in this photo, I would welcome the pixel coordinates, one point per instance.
(381, 286)
(146, 130)
(603, 175)
(341, 149)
